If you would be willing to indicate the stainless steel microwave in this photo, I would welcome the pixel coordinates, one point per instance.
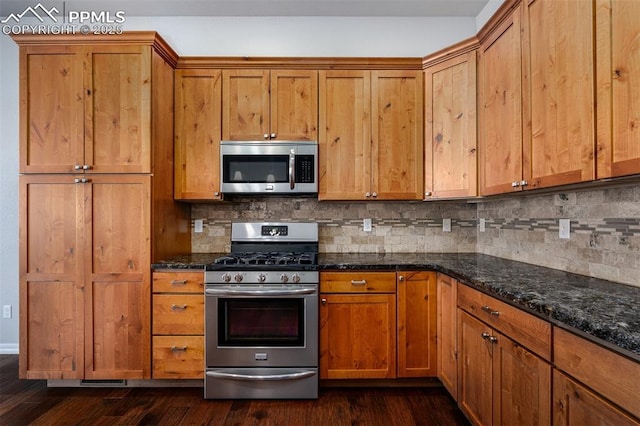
(269, 167)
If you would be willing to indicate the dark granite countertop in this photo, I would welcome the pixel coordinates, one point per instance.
(600, 309)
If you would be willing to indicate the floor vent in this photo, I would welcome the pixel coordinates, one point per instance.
(103, 383)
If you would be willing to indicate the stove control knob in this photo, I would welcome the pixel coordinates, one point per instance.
(226, 277)
(284, 278)
(238, 278)
(261, 277)
(295, 278)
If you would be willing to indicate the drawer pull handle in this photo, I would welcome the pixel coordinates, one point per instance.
(179, 307)
(490, 311)
(178, 282)
(358, 282)
(178, 348)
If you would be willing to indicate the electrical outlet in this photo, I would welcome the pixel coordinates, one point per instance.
(564, 228)
(6, 311)
(481, 225)
(198, 225)
(446, 225)
(366, 225)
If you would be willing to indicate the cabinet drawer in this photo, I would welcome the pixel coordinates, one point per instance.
(606, 372)
(357, 282)
(531, 332)
(178, 357)
(178, 314)
(178, 282)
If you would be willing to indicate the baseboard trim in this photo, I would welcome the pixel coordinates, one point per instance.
(8, 348)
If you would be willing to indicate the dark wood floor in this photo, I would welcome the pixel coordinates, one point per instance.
(25, 402)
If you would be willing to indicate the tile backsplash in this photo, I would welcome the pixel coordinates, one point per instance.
(400, 227)
(604, 239)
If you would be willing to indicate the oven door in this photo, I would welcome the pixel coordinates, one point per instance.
(261, 326)
(268, 167)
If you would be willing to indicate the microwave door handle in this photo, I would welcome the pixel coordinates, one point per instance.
(292, 169)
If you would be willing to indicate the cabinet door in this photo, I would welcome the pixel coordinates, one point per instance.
(51, 109)
(618, 85)
(117, 270)
(51, 282)
(118, 109)
(575, 405)
(198, 115)
(450, 128)
(397, 135)
(558, 96)
(447, 332)
(294, 105)
(475, 370)
(357, 336)
(500, 109)
(521, 385)
(416, 299)
(345, 135)
(245, 115)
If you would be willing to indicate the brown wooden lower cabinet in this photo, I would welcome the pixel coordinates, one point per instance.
(178, 325)
(576, 405)
(377, 325)
(84, 276)
(416, 324)
(609, 375)
(447, 334)
(501, 382)
(357, 325)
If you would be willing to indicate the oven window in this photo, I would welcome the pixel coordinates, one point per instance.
(261, 322)
(255, 168)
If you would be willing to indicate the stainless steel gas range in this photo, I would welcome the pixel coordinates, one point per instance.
(261, 304)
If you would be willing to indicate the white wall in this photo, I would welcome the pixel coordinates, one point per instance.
(194, 36)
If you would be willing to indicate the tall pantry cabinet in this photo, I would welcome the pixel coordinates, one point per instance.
(96, 201)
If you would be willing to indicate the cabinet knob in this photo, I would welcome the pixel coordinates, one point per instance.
(273, 135)
(77, 167)
(266, 135)
(359, 282)
(515, 184)
(323, 301)
(367, 194)
(524, 183)
(374, 195)
(427, 194)
(178, 348)
(86, 167)
(401, 278)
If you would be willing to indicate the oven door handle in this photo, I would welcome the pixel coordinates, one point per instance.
(259, 377)
(246, 292)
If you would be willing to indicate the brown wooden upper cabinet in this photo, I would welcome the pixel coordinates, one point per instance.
(270, 105)
(558, 97)
(450, 152)
(500, 108)
(85, 108)
(557, 94)
(618, 87)
(370, 142)
(198, 130)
